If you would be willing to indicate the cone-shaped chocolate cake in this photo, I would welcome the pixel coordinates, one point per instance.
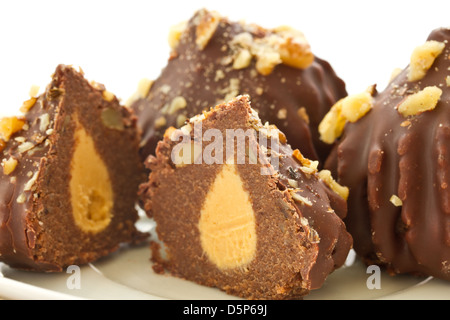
(69, 178)
(396, 162)
(214, 60)
(236, 208)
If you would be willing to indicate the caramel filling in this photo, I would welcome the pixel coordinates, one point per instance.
(227, 223)
(90, 185)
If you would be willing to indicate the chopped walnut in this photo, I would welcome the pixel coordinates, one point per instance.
(21, 198)
(9, 165)
(351, 108)
(181, 120)
(34, 91)
(9, 126)
(44, 122)
(177, 104)
(25, 146)
(354, 107)
(242, 60)
(306, 163)
(294, 50)
(27, 105)
(281, 45)
(108, 96)
(175, 33)
(395, 73)
(419, 102)
(325, 176)
(30, 185)
(206, 27)
(300, 198)
(160, 122)
(144, 87)
(266, 60)
(332, 125)
(423, 58)
(396, 201)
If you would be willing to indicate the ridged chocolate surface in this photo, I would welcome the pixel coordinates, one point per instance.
(299, 242)
(386, 154)
(206, 78)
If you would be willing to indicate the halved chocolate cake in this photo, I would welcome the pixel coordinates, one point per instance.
(236, 208)
(70, 175)
(214, 60)
(396, 162)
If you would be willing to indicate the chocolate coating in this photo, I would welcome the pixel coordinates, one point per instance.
(37, 227)
(386, 154)
(299, 243)
(206, 77)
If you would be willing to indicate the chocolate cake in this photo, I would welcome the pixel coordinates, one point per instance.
(214, 59)
(396, 162)
(69, 177)
(236, 208)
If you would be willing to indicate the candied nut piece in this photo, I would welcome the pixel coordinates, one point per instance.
(326, 177)
(175, 105)
(160, 122)
(354, 107)
(294, 50)
(9, 126)
(142, 91)
(306, 163)
(144, 87)
(332, 125)
(175, 33)
(423, 58)
(108, 96)
(205, 28)
(396, 201)
(9, 165)
(28, 104)
(419, 102)
(2, 145)
(266, 60)
(242, 60)
(351, 108)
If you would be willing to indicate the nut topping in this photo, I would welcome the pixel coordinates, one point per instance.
(423, 58)
(419, 102)
(206, 28)
(9, 126)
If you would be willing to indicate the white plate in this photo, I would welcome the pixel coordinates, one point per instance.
(128, 274)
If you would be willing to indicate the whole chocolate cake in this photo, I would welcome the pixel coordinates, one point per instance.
(236, 208)
(394, 155)
(69, 177)
(214, 60)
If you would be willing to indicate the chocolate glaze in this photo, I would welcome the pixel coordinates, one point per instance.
(299, 245)
(386, 154)
(37, 229)
(204, 78)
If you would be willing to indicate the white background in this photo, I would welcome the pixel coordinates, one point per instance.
(119, 42)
